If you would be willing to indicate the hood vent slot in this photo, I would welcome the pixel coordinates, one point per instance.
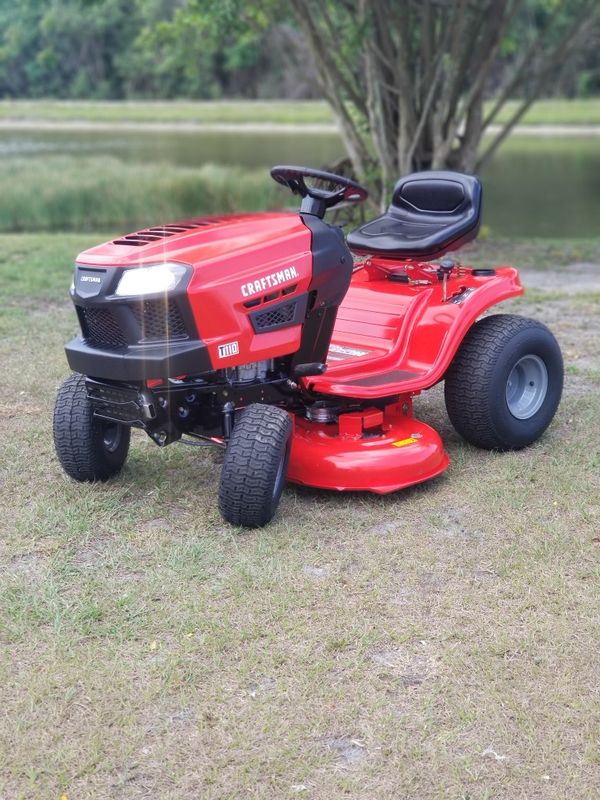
(159, 232)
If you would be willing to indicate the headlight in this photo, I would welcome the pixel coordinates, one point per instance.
(150, 280)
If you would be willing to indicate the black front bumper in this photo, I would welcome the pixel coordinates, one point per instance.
(139, 362)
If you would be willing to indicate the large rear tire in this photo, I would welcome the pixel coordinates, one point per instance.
(505, 382)
(255, 466)
(88, 448)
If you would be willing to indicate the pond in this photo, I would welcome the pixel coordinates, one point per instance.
(543, 187)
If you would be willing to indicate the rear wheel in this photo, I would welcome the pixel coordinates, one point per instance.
(88, 448)
(255, 466)
(505, 382)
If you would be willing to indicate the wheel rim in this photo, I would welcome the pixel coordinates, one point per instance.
(527, 387)
(111, 437)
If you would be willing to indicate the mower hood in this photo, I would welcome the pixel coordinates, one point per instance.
(200, 239)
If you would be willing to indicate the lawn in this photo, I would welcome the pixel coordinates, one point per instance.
(170, 111)
(286, 112)
(440, 642)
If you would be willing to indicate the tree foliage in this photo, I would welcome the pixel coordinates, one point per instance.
(407, 79)
(111, 49)
(66, 48)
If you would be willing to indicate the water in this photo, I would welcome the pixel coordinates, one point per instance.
(542, 187)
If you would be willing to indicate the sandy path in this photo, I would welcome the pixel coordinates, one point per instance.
(574, 279)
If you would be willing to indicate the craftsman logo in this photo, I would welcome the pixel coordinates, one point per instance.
(89, 279)
(338, 352)
(229, 349)
(274, 279)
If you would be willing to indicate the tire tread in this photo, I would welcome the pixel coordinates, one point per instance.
(469, 379)
(78, 435)
(261, 433)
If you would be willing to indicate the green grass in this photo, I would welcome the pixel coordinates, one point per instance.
(544, 112)
(435, 643)
(62, 193)
(557, 112)
(169, 111)
(531, 253)
(37, 266)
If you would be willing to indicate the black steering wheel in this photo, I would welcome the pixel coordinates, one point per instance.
(342, 190)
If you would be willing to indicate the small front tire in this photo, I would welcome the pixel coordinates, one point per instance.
(255, 466)
(88, 448)
(505, 382)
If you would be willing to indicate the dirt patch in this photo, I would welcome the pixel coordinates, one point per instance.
(412, 664)
(349, 752)
(158, 524)
(318, 573)
(260, 687)
(431, 583)
(573, 279)
(452, 523)
(21, 407)
(30, 565)
(384, 528)
(184, 716)
(484, 576)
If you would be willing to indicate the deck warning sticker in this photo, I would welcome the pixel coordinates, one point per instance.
(404, 442)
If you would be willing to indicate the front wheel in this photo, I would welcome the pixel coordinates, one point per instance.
(255, 466)
(88, 448)
(505, 382)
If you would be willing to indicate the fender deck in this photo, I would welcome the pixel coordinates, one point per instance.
(394, 338)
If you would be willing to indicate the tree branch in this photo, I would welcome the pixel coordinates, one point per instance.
(523, 70)
(328, 79)
(542, 79)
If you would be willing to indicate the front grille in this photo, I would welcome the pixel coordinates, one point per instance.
(282, 314)
(159, 320)
(100, 329)
(143, 322)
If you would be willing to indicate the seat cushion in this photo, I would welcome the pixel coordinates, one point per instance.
(430, 214)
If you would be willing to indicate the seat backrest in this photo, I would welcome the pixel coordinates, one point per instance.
(448, 194)
(430, 214)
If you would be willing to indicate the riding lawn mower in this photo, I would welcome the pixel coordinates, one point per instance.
(298, 350)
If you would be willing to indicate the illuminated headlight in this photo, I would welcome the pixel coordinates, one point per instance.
(150, 280)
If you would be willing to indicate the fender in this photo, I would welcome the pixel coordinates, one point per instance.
(412, 333)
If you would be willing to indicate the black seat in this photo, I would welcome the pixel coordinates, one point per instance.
(430, 213)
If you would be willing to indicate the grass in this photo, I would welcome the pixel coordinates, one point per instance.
(557, 112)
(62, 193)
(429, 644)
(169, 111)
(544, 112)
(531, 253)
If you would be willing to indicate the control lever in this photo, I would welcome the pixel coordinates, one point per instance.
(444, 271)
(304, 370)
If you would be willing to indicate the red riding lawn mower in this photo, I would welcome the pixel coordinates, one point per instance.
(262, 334)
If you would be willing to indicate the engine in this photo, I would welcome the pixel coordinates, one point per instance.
(249, 373)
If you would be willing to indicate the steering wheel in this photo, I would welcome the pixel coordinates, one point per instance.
(343, 190)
